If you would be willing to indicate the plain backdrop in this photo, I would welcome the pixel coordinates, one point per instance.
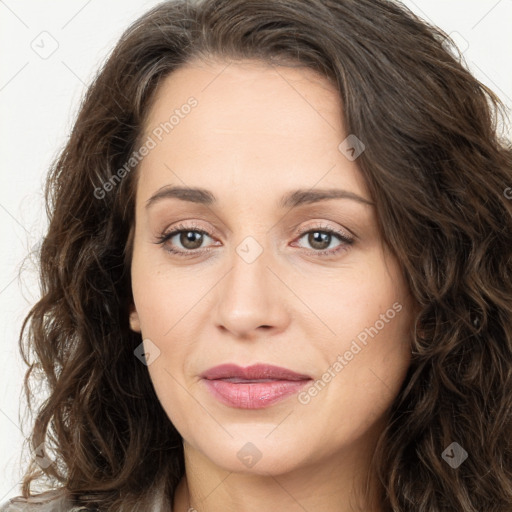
(50, 52)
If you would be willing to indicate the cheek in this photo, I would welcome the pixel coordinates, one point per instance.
(367, 353)
(350, 301)
(162, 294)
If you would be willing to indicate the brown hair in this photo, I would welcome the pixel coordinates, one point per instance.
(436, 169)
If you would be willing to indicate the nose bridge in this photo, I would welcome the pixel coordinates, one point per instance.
(249, 297)
(248, 279)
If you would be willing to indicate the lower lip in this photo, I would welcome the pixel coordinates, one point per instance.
(255, 395)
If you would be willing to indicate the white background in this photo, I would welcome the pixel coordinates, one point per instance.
(39, 98)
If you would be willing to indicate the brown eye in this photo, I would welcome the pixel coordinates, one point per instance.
(319, 240)
(184, 241)
(191, 239)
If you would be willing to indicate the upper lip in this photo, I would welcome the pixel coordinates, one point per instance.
(254, 372)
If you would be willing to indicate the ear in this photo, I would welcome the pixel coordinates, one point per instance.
(134, 319)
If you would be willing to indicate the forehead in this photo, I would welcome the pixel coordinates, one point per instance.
(251, 124)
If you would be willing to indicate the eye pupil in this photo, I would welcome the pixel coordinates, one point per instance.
(192, 237)
(318, 237)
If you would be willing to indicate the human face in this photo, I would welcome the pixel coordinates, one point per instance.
(261, 291)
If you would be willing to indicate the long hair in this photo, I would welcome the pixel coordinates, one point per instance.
(439, 173)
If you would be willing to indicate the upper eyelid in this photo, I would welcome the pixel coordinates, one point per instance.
(192, 227)
(322, 227)
(195, 224)
(195, 227)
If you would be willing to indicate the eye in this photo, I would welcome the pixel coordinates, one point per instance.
(320, 239)
(190, 238)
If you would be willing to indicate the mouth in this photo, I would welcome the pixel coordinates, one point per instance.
(253, 387)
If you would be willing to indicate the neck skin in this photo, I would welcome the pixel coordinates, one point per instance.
(329, 485)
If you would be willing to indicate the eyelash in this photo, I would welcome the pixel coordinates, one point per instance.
(164, 237)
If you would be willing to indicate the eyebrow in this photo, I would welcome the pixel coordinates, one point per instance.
(289, 200)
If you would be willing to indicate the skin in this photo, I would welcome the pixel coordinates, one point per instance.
(257, 133)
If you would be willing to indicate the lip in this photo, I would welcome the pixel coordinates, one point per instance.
(254, 372)
(253, 387)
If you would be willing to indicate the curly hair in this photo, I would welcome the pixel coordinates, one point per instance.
(437, 170)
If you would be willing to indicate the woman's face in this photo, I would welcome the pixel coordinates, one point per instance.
(263, 274)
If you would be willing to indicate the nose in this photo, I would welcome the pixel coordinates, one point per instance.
(251, 298)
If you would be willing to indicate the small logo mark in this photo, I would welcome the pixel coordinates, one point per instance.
(249, 455)
(40, 457)
(249, 249)
(454, 455)
(147, 352)
(36, 248)
(351, 147)
(45, 45)
(458, 40)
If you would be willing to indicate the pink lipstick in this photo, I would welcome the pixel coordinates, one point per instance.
(253, 387)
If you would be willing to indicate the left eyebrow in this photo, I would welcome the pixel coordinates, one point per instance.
(308, 196)
(289, 200)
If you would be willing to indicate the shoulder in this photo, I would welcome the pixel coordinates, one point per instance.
(53, 501)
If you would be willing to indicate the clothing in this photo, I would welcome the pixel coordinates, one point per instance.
(52, 502)
(59, 501)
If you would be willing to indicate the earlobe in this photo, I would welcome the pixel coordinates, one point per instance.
(134, 319)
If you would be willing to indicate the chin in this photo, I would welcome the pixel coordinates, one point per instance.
(257, 449)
